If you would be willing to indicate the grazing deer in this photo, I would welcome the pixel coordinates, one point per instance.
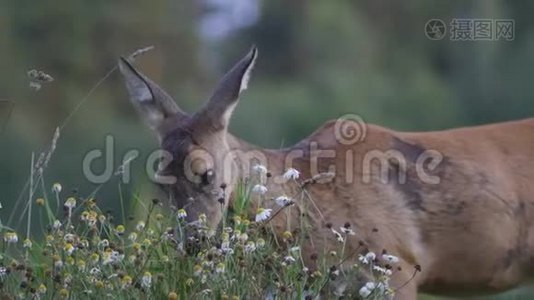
(458, 203)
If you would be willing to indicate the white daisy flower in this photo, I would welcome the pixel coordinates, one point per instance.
(250, 247)
(27, 243)
(220, 268)
(364, 292)
(260, 169)
(338, 236)
(370, 285)
(132, 236)
(11, 237)
(291, 173)
(263, 214)
(259, 189)
(146, 280)
(243, 237)
(56, 225)
(382, 270)
(181, 214)
(284, 201)
(103, 243)
(289, 259)
(58, 264)
(347, 230)
(390, 258)
(69, 238)
(94, 271)
(69, 248)
(367, 289)
(368, 258)
(56, 188)
(70, 203)
(140, 226)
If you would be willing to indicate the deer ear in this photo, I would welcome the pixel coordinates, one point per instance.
(152, 103)
(219, 108)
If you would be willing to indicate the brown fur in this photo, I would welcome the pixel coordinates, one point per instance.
(469, 233)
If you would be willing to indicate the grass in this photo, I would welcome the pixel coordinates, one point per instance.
(84, 255)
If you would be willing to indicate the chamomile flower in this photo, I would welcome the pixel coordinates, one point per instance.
(56, 188)
(181, 214)
(146, 280)
(287, 235)
(140, 226)
(111, 257)
(260, 169)
(237, 220)
(260, 243)
(263, 214)
(11, 237)
(95, 258)
(370, 285)
(41, 289)
(63, 293)
(202, 220)
(69, 248)
(364, 292)
(69, 238)
(243, 237)
(94, 271)
(197, 270)
(120, 229)
(81, 265)
(289, 260)
(382, 270)
(56, 225)
(259, 189)
(347, 230)
(367, 258)
(220, 268)
(249, 247)
(103, 243)
(27, 244)
(283, 201)
(132, 236)
(126, 281)
(338, 236)
(70, 203)
(58, 264)
(291, 173)
(391, 259)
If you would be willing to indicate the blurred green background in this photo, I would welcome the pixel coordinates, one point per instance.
(318, 60)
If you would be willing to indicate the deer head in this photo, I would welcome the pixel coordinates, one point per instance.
(194, 172)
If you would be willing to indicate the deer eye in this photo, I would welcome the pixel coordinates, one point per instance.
(207, 177)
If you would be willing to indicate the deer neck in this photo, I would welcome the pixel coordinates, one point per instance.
(274, 161)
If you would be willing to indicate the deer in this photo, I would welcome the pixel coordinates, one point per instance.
(456, 204)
